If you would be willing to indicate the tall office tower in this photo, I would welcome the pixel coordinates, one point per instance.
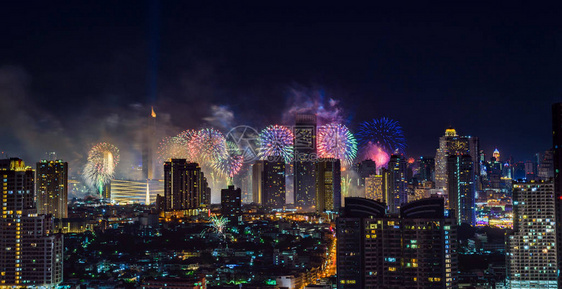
(397, 183)
(184, 185)
(328, 185)
(496, 155)
(364, 169)
(453, 144)
(257, 182)
(52, 188)
(231, 203)
(31, 254)
(416, 250)
(427, 169)
(148, 147)
(273, 184)
(376, 186)
(304, 164)
(546, 165)
(461, 188)
(531, 247)
(557, 160)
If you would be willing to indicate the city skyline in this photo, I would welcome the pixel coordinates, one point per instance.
(397, 72)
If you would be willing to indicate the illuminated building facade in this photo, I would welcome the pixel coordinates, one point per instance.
(30, 253)
(304, 164)
(453, 144)
(257, 182)
(398, 183)
(496, 155)
(185, 186)
(376, 186)
(416, 250)
(328, 185)
(274, 184)
(461, 188)
(52, 188)
(531, 247)
(557, 160)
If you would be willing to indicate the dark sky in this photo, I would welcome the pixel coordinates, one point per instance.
(489, 71)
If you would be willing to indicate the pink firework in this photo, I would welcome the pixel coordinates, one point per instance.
(208, 144)
(377, 154)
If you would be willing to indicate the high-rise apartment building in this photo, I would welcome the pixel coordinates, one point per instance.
(328, 185)
(416, 250)
(31, 254)
(231, 203)
(185, 185)
(52, 188)
(304, 162)
(273, 188)
(376, 186)
(531, 247)
(557, 160)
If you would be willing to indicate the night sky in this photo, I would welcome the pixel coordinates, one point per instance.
(75, 73)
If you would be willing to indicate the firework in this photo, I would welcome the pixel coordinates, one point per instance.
(336, 141)
(276, 142)
(377, 154)
(384, 132)
(207, 144)
(218, 226)
(230, 164)
(345, 186)
(100, 169)
(173, 148)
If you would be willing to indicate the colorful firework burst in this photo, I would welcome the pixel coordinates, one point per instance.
(230, 164)
(207, 144)
(336, 141)
(100, 169)
(173, 148)
(386, 133)
(276, 141)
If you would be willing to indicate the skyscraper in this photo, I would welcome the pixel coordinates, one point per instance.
(257, 182)
(453, 144)
(415, 250)
(398, 183)
(328, 185)
(461, 187)
(52, 188)
(185, 186)
(376, 186)
(274, 184)
(427, 169)
(557, 159)
(531, 247)
(31, 254)
(304, 167)
(231, 203)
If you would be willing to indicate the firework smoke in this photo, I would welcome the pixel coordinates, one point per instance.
(374, 152)
(303, 101)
